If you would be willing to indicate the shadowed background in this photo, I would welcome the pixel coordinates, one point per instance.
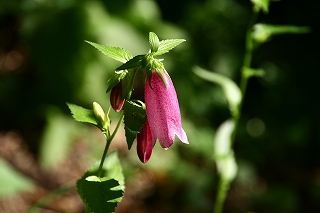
(44, 63)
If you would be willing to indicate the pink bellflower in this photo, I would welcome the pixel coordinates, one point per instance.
(163, 115)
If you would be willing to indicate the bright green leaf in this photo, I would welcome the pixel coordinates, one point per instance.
(153, 42)
(102, 194)
(117, 53)
(132, 63)
(167, 45)
(262, 32)
(11, 181)
(82, 115)
(134, 119)
(231, 90)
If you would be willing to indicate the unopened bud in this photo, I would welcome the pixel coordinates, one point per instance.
(101, 117)
(116, 98)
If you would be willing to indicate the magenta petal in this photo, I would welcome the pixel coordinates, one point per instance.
(144, 143)
(163, 111)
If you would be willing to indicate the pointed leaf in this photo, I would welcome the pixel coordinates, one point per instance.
(231, 90)
(153, 42)
(102, 194)
(82, 115)
(167, 45)
(132, 63)
(134, 119)
(117, 53)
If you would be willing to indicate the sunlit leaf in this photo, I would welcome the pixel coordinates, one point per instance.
(261, 5)
(102, 192)
(231, 90)
(82, 115)
(117, 53)
(153, 42)
(167, 45)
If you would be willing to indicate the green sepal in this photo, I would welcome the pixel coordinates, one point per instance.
(117, 53)
(82, 115)
(153, 42)
(134, 118)
(135, 62)
(101, 193)
(166, 45)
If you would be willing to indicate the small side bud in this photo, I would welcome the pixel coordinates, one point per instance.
(116, 98)
(101, 117)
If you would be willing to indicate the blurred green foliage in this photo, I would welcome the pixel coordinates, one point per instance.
(44, 63)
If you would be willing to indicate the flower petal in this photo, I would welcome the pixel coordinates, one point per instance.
(163, 111)
(144, 143)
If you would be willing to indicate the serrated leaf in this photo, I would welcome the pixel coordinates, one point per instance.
(167, 45)
(153, 42)
(82, 115)
(117, 53)
(134, 119)
(132, 63)
(231, 90)
(262, 32)
(102, 194)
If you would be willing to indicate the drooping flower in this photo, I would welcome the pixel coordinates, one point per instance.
(116, 97)
(162, 108)
(144, 143)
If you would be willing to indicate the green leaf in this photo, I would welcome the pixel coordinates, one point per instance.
(82, 115)
(231, 90)
(11, 181)
(167, 45)
(153, 42)
(102, 194)
(134, 119)
(223, 154)
(117, 53)
(250, 72)
(132, 63)
(262, 32)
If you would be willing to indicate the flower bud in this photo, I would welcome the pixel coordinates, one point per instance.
(101, 117)
(116, 98)
(144, 143)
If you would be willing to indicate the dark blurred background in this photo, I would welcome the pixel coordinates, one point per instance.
(44, 63)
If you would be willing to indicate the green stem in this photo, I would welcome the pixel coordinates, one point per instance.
(108, 142)
(223, 185)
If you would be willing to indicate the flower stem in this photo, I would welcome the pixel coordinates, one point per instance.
(223, 185)
(108, 142)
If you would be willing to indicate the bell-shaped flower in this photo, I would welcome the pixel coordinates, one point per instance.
(162, 108)
(144, 143)
(116, 97)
